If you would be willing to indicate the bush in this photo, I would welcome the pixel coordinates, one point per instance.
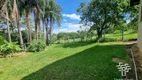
(1, 40)
(9, 47)
(36, 46)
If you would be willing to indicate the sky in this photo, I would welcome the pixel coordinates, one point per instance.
(71, 18)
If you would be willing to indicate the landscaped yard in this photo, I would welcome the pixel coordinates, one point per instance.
(69, 40)
(78, 61)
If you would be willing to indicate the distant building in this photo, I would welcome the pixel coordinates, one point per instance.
(136, 2)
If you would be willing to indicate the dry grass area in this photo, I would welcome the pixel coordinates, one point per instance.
(16, 54)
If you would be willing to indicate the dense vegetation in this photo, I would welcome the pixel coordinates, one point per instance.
(16, 14)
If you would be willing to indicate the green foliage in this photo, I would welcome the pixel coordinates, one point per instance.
(104, 14)
(1, 40)
(67, 36)
(54, 38)
(9, 47)
(73, 35)
(36, 46)
(62, 36)
(82, 34)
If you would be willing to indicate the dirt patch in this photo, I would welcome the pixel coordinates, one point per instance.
(117, 60)
(16, 54)
(138, 59)
(21, 54)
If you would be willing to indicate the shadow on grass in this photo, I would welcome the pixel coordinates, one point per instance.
(94, 63)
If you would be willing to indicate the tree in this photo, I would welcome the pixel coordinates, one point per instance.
(82, 35)
(73, 35)
(91, 33)
(4, 13)
(36, 18)
(52, 14)
(13, 11)
(103, 14)
(16, 19)
(121, 11)
(54, 38)
(60, 36)
(27, 7)
(133, 24)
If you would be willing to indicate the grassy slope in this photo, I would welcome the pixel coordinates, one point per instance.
(66, 62)
(128, 35)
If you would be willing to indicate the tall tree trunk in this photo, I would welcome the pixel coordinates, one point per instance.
(20, 36)
(122, 33)
(47, 39)
(8, 28)
(28, 15)
(99, 34)
(43, 23)
(36, 23)
(39, 27)
(7, 22)
(8, 31)
(104, 34)
(15, 16)
(51, 26)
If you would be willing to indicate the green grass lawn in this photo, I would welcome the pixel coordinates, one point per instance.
(128, 35)
(79, 61)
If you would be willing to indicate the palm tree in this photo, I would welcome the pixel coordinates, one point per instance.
(28, 6)
(43, 6)
(4, 13)
(28, 15)
(46, 9)
(52, 15)
(36, 18)
(55, 15)
(16, 19)
(36, 10)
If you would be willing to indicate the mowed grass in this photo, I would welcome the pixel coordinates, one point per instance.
(128, 35)
(113, 37)
(79, 61)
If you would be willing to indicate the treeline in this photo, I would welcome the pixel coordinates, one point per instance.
(28, 23)
(34, 18)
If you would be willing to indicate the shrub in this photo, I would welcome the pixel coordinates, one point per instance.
(36, 46)
(1, 40)
(9, 47)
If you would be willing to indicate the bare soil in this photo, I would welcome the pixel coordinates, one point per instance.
(138, 59)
